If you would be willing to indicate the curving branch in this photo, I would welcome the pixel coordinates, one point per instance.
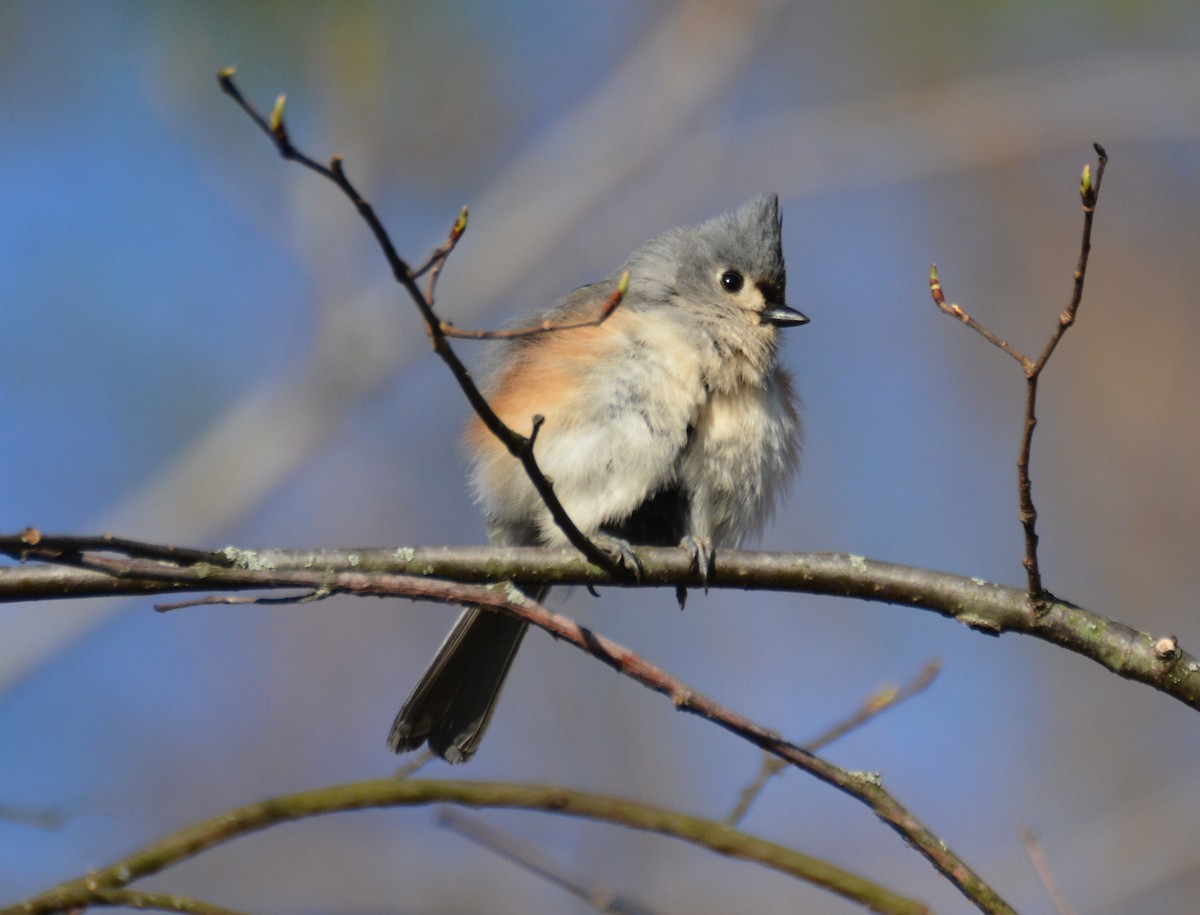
(98, 886)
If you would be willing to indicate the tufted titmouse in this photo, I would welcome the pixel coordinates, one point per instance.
(669, 423)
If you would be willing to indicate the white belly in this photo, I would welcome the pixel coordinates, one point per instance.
(744, 447)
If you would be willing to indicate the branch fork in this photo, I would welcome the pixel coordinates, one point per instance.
(1089, 192)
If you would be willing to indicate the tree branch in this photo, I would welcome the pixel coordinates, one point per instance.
(444, 573)
(386, 793)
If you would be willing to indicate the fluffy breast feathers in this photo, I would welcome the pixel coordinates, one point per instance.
(628, 414)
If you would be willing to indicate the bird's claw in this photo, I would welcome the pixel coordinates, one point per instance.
(700, 549)
(622, 552)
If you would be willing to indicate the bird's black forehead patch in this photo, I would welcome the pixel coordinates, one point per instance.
(770, 291)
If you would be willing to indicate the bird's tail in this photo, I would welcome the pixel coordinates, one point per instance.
(452, 703)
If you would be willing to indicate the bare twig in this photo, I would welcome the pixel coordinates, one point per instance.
(530, 859)
(1089, 191)
(546, 327)
(32, 543)
(518, 445)
(414, 764)
(442, 252)
(955, 311)
(887, 697)
(437, 260)
(32, 816)
(880, 701)
(1033, 848)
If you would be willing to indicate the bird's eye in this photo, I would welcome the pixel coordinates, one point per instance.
(731, 281)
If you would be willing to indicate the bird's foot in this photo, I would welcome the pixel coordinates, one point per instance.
(621, 552)
(700, 549)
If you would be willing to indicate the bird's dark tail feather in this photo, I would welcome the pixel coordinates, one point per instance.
(452, 703)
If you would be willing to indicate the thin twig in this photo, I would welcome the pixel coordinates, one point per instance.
(956, 311)
(888, 697)
(530, 859)
(32, 816)
(442, 252)
(518, 445)
(414, 764)
(545, 327)
(880, 701)
(32, 543)
(437, 260)
(1033, 848)
(1089, 191)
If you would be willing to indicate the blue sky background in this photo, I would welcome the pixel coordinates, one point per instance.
(200, 345)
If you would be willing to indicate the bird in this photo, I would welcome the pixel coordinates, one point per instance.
(668, 423)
